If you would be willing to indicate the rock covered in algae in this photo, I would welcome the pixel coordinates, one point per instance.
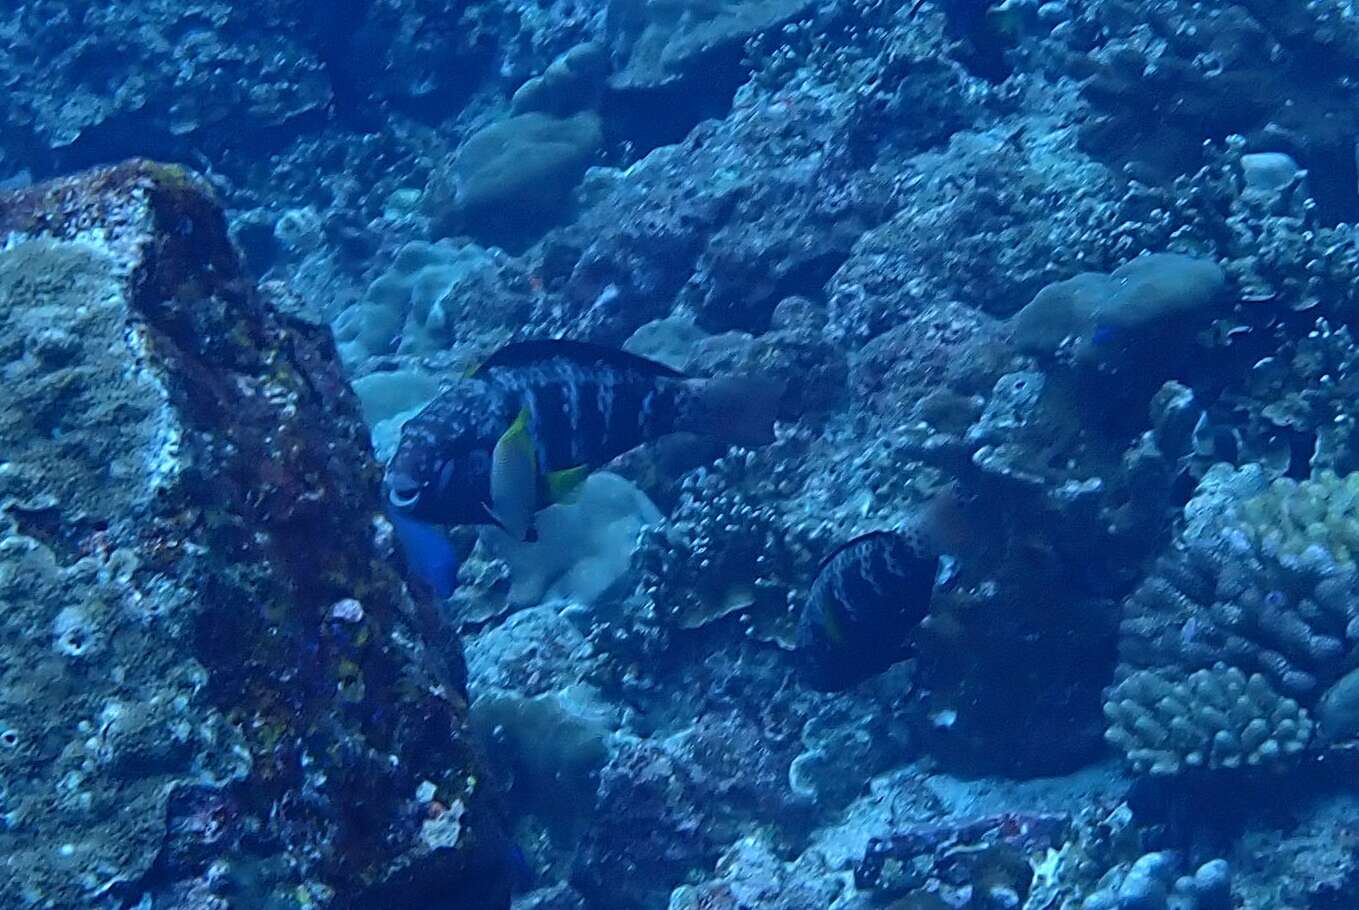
(214, 685)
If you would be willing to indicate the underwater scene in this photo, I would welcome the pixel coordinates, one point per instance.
(679, 455)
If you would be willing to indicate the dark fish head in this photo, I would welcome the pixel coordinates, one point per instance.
(443, 488)
(441, 470)
(412, 474)
(404, 489)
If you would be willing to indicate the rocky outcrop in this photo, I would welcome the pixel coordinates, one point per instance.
(215, 688)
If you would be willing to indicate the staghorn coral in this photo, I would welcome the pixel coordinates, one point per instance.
(1213, 718)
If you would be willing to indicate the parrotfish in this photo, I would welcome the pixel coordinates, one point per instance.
(870, 595)
(524, 429)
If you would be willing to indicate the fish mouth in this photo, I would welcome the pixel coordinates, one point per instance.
(402, 502)
(402, 492)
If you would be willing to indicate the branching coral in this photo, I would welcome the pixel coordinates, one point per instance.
(725, 553)
(1260, 593)
(1259, 582)
(1213, 718)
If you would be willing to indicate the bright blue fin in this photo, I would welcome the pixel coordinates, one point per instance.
(430, 556)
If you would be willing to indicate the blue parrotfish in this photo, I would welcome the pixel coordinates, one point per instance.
(525, 428)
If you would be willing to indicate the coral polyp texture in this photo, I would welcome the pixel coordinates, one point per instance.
(1255, 606)
(1213, 718)
(1314, 521)
(215, 680)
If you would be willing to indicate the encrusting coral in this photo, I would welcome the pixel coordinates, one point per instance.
(1293, 516)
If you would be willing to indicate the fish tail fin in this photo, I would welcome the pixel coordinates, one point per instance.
(736, 409)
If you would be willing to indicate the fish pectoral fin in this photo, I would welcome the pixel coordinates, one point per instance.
(495, 519)
(830, 623)
(530, 534)
(564, 485)
(517, 439)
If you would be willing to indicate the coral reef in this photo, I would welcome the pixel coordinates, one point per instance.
(719, 554)
(1151, 883)
(1245, 628)
(421, 303)
(1275, 600)
(551, 746)
(216, 686)
(1150, 302)
(584, 547)
(513, 178)
(1088, 267)
(981, 862)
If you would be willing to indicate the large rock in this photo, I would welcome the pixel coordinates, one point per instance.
(215, 688)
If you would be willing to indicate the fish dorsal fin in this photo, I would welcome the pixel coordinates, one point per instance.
(564, 485)
(581, 353)
(853, 542)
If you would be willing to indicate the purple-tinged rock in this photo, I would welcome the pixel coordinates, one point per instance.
(186, 497)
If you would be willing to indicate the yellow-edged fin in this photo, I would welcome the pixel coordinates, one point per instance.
(831, 623)
(563, 485)
(514, 479)
(517, 438)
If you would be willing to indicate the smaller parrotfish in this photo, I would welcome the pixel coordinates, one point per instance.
(429, 554)
(870, 595)
(867, 599)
